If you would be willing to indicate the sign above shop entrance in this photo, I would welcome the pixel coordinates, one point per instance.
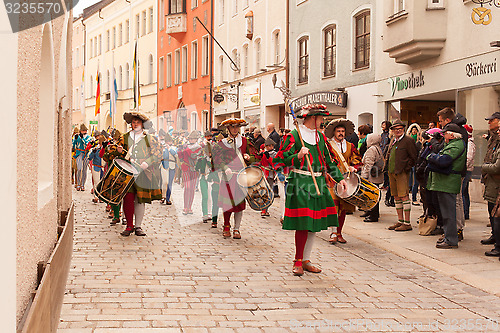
(338, 98)
(411, 82)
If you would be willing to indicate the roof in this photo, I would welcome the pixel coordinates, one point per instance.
(89, 11)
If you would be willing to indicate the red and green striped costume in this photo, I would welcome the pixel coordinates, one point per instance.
(304, 208)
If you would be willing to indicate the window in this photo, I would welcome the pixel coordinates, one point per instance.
(330, 50)
(91, 47)
(127, 76)
(120, 78)
(303, 60)
(194, 4)
(245, 60)
(169, 70)
(257, 56)
(362, 41)
(137, 25)
(127, 31)
(221, 69)
(120, 34)
(95, 47)
(151, 19)
(235, 7)
(150, 69)
(114, 37)
(77, 58)
(177, 79)
(399, 6)
(143, 23)
(162, 14)
(235, 59)
(437, 4)
(160, 74)
(206, 56)
(221, 11)
(100, 44)
(177, 6)
(91, 86)
(184, 63)
(194, 60)
(277, 56)
(107, 81)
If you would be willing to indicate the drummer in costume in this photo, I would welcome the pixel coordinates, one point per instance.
(306, 212)
(188, 155)
(205, 166)
(110, 153)
(231, 155)
(145, 153)
(80, 143)
(349, 161)
(267, 166)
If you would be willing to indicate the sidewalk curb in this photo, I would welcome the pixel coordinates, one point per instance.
(471, 279)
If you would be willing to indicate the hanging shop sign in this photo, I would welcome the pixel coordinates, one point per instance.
(338, 98)
(219, 98)
(482, 15)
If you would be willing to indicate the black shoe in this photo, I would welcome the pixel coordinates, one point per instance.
(387, 203)
(445, 245)
(488, 241)
(168, 202)
(370, 219)
(492, 253)
(460, 235)
(365, 214)
(127, 232)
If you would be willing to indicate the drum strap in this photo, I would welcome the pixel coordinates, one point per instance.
(340, 155)
(307, 173)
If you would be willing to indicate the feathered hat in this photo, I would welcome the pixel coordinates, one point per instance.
(312, 110)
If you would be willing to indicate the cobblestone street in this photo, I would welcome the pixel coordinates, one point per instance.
(184, 277)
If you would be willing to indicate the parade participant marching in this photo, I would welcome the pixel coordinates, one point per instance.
(231, 155)
(188, 155)
(308, 209)
(73, 158)
(169, 164)
(144, 151)
(205, 166)
(110, 153)
(80, 146)
(349, 161)
(96, 163)
(266, 162)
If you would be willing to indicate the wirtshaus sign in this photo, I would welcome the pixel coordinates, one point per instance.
(338, 98)
(410, 82)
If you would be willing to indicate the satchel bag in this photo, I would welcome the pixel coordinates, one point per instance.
(426, 225)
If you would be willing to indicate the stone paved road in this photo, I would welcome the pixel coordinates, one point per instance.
(184, 277)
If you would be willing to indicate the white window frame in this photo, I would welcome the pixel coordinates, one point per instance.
(194, 59)
(245, 4)
(120, 78)
(323, 50)
(221, 69)
(137, 25)
(399, 6)
(127, 76)
(194, 4)
(162, 14)
(277, 47)
(185, 63)
(432, 4)
(100, 44)
(161, 73)
(205, 46)
(127, 31)
(258, 54)
(194, 124)
(120, 34)
(221, 9)
(235, 7)
(245, 60)
(307, 54)
(151, 19)
(177, 71)
(169, 70)
(114, 37)
(151, 66)
(235, 56)
(144, 22)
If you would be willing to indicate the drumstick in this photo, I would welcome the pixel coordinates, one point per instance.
(309, 166)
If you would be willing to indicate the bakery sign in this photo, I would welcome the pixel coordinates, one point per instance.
(338, 98)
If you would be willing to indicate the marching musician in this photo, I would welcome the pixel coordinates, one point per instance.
(144, 152)
(231, 155)
(96, 163)
(349, 161)
(205, 166)
(110, 153)
(188, 155)
(266, 162)
(80, 146)
(306, 211)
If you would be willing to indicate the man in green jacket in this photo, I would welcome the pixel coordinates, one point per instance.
(445, 179)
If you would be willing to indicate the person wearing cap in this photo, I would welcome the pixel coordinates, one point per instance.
(266, 162)
(489, 175)
(445, 179)
(110, 153)
(471, 154)
(447, 116)
(169, 164)
(80, 143)
(231, 155)
(205, 167)
(306, 211)
(350, 161)
(400, 157)
(188, 156)
(144, 152)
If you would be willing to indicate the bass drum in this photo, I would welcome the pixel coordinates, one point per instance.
(360, 192)
(259, 194)
(116, 182)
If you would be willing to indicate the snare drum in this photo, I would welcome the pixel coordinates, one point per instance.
(360, 192)
(259, 194)
(116, 182)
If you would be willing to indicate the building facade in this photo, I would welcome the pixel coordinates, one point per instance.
(113, 30)
(78, 46)
(36, 182)
(438, 53)
(184, 64)
(332, 56)
(254, 36)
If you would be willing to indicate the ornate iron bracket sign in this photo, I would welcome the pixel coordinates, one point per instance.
(483, 15)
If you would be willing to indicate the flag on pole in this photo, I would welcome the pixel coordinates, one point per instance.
(82, 95)
(98, 95)
(114, 97)
(137, 93)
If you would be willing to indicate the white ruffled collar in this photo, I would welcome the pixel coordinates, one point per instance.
(230, 144)
(308, 135)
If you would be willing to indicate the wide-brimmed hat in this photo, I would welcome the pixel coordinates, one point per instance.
(397, 123)
(340, 122)
(194, 135)
(234, 122)
(312, 110)
(83, 128)
(128, 116)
